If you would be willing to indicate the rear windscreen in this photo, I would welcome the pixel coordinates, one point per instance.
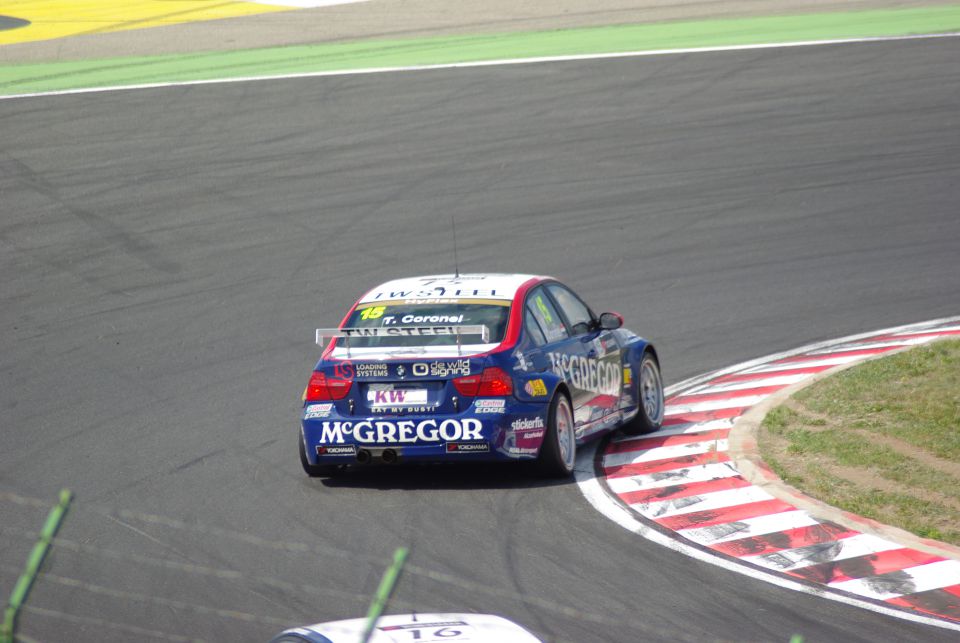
(492, 313)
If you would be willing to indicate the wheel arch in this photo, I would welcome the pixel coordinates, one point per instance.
(561, 387)
(649, 348)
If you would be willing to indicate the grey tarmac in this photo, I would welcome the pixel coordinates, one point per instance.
(166, 255)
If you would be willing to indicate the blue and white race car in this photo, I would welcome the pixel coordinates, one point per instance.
(474, 367)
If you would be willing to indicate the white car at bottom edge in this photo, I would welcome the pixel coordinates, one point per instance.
(413, 628)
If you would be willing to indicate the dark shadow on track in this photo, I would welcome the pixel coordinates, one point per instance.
(443, 477)
(7, 23)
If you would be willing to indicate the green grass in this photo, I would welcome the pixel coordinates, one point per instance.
(366, 54)
(913, 396)
(895, 419)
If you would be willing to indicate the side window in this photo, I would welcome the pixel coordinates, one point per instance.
(542, 309)
(578, 315)
(534, 329)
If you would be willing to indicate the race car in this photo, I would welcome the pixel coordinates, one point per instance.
(474, 367)
(406, 628)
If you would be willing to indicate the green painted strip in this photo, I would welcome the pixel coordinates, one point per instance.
(39, 552)
(387, 585)
(30, 78)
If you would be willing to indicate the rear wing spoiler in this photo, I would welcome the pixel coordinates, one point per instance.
(324, 334)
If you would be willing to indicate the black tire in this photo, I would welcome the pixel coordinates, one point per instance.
(558, 454)
(317, 470)
(649, 397)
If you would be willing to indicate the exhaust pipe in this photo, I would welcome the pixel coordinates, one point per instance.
(389, 456)
(363, 456)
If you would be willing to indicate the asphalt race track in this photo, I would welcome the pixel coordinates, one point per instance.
(166, 254)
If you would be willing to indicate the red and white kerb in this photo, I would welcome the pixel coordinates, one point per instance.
(682, 480)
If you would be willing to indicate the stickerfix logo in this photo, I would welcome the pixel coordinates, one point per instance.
(317, 411)
(527, 423)
(347, 449)
(402, 431)
(535, 388)
(588, 374)
(490, 406)
(467, 447)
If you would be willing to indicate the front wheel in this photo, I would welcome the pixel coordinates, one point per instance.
(317, 470)
(650, 388)
(559, 450)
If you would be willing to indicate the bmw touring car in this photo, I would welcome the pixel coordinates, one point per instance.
(474, 367)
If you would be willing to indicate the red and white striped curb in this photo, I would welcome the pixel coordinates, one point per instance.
(680, 487)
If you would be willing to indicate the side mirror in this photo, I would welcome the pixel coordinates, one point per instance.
(611, 321)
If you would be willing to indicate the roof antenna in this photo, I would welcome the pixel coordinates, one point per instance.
(456, 264)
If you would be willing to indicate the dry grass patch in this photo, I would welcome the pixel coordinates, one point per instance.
(881, 440)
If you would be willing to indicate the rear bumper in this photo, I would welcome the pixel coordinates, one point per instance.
(512, 431)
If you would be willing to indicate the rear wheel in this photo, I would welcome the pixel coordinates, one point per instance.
(317, 470)
(650, 399)
(559, 451)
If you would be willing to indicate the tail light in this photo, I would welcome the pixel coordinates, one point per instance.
(322, 388)
(494, 382)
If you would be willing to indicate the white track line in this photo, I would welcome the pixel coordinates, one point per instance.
(941, 329)
(487, 63)
(859, 346)
(804, 363)
(776, 380)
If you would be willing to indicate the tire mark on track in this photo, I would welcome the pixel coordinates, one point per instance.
(110, 232)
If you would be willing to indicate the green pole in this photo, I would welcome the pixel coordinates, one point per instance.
(22, 588)
(387, 585)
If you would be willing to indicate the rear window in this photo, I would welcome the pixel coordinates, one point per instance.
(491, 313)
(540, 306)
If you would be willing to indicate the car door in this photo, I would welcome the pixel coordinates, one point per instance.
(597, 373)
(561, 352)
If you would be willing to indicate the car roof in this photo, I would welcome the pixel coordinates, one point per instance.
(466, 286)
(477, 628)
